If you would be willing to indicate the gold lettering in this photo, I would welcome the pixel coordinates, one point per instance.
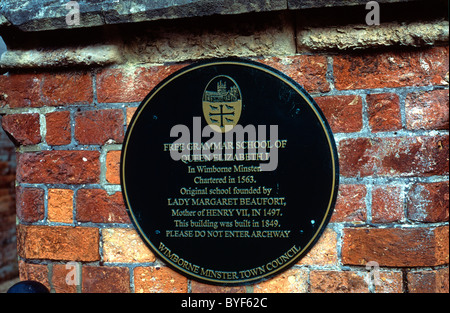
(177, 260)
(283, 259)
(214, 201)
(278, 201)
(218, 274)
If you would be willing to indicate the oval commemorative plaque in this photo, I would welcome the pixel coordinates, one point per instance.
(229, 171)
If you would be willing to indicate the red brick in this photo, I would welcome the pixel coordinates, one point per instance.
(397, 247)
(357, 158)
(384, 112)
(105, 279)
(58, 243)
(130, 85)
(59, 167)
(427, 110)
(20, 90)
(338, 282)
(45, 89)
(428, 202)
(58, 128)
(389, 281)
(130, 114)
(387, 204)
(113, 167)
(344, 113)
(97, 127)
(60, 205)
(35, 272)
(59, 275)
(434, 281)
(308, 70)
(30, 204)
(124, 245)
(197, 287)
(399, 156)
(350, 204)
(95, 205)
(67, 88)
(324, 252)
(24, 129)
(159, 280)
(294, 280)
(392, 69)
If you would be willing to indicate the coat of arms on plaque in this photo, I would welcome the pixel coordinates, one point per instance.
(222, 103)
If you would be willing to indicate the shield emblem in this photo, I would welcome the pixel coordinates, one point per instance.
(222, 103)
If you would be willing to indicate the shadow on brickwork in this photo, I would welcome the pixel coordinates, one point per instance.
(8, 243)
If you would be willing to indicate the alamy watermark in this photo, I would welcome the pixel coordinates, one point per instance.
(73, 277)
(73, 16)
(373, 276)
(236, 143)
(373, 17)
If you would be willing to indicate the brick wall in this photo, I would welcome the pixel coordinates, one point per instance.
(8, 251)
(387, 108)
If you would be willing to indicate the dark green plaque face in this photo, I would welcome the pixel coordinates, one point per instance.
(229, 171)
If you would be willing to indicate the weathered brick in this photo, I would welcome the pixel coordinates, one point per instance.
(344, 113)
(324, 252)
(95, 205)
(387, 204)
(105, 279)
(60, 205)
(442, 244)
(113, 167)
(428, 202)
(20, 90)
(35, 272)
(59, 275)
(394, 156)
(58, 243)
(58, 128)
(289, 281)
(130, 85)
(399, 247)
(45, 89)
(389, 282)
(338, 282)
(433, 281)
(66, 88)
(198, 287)
(392, 69)
(24, 129)
(97, 127)
(307, 70)
(59, 167)
(427, 110)
(30, 204)
(122, 245)
(384, 112)
(357, 158)
(159, 280)
(350, 204)
(130, 114)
